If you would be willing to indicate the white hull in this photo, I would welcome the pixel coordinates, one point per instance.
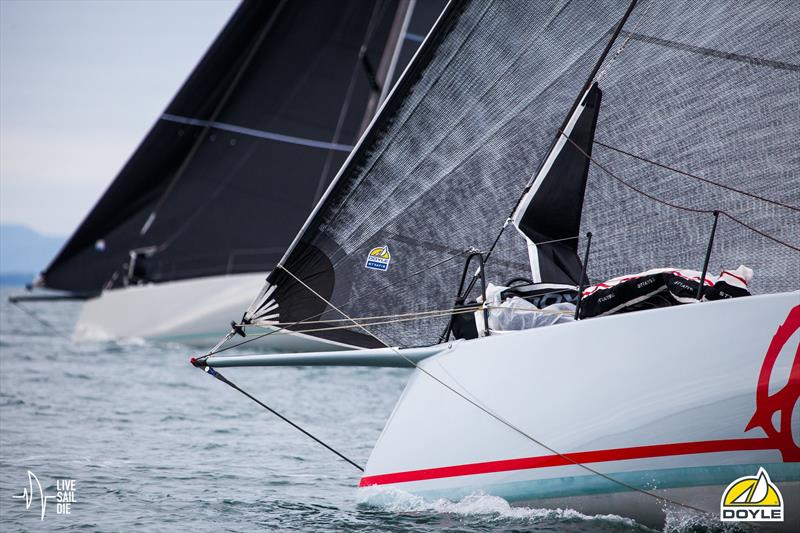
(196, 312)
(656, 399)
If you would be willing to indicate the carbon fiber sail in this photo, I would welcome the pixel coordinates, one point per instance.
(699, 113)
(229, 172)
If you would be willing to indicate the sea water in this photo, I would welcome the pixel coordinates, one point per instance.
(128, 436)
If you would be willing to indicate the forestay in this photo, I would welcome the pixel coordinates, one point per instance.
(706, 88)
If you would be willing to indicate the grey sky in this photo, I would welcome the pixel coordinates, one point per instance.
(81, 83)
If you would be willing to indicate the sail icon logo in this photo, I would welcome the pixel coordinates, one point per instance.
(64, 496)
(752, 499)
(378, 258)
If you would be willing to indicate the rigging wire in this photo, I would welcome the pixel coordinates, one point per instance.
(421, 314)
(283, 328)
(496, 416)
(706, 180)
(677, 206)
(210, 371)
(284, 331)
(40, 320)
(219, 349)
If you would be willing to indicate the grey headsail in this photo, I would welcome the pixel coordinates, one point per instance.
(229, 172)
(699, 113)
(549, 216)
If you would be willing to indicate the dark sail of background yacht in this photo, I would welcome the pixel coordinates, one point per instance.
(231, 169)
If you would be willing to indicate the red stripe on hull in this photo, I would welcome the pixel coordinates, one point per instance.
(598, 456)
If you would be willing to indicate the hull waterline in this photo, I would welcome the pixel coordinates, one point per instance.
(664, 401)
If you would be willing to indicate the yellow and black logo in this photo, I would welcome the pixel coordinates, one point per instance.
(752, 499)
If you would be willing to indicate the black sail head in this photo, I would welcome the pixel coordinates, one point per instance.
(550, 215)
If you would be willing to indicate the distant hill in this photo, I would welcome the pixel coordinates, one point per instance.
(24, 253)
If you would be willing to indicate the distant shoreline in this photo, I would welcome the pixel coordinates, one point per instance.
(15, 279)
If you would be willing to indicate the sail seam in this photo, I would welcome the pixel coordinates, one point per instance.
(263, 134)
(751, 60)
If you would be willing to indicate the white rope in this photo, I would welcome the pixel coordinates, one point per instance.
(361, 324)
(365, 320)
(420, 314)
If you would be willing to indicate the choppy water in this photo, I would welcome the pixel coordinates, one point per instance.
(155, 444)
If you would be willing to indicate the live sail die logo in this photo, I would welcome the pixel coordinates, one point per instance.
(752, 499)
(34, 496)
(379, 258)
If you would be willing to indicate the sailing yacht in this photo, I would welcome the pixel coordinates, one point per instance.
(570, 155)
(212, 197)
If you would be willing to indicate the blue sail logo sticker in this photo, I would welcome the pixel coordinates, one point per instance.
(378, 258)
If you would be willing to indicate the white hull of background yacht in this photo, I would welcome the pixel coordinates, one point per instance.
(656, 399)
(195, 312)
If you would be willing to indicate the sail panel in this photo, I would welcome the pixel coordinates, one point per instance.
(708, 89)
(442, 167)
(702, 87)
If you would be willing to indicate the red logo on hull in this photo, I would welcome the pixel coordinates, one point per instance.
(784, 400)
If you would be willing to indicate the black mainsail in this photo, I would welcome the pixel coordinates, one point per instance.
(229, 172)
(699, 113)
